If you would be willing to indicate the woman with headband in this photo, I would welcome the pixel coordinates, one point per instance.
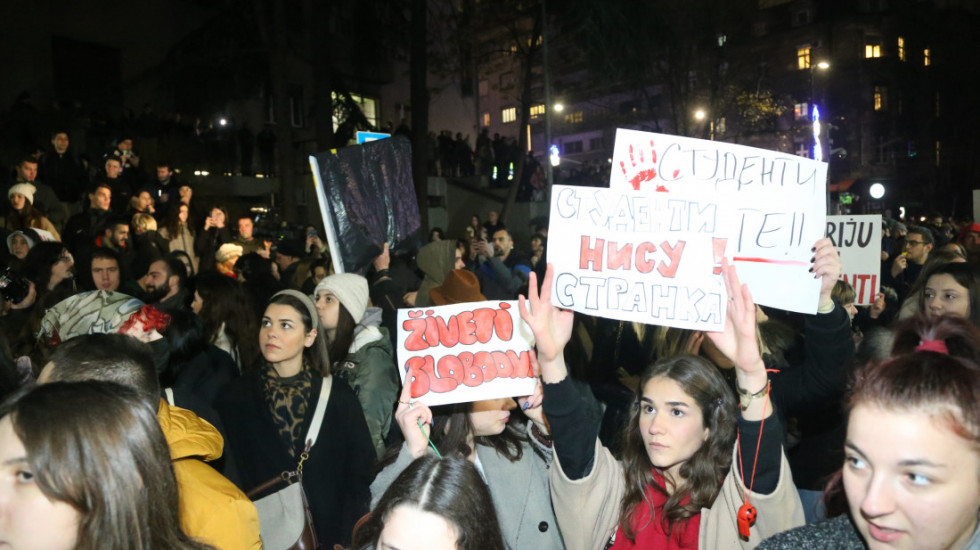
(269, 412)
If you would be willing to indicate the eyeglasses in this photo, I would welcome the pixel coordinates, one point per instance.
(914, 243)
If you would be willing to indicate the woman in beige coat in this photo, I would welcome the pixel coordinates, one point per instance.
(679, 483)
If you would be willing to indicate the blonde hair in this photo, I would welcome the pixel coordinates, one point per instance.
(144, 222)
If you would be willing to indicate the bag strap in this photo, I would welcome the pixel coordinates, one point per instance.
(321, 408)
(170, 396)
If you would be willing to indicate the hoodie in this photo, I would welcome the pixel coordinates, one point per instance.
(435, 259)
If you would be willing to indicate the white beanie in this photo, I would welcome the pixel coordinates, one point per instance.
(26, 189)
(227, 252)
(350, 289)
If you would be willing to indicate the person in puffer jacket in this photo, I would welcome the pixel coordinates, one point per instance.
(360, 349)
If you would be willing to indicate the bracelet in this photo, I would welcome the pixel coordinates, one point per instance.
(745, 398)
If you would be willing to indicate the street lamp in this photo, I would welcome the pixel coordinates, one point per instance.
(700, 115)
(559, 107)
(876, 190)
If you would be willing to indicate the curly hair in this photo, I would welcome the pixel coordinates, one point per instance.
(705, 470)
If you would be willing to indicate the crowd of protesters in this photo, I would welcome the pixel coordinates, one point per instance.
(132, 307)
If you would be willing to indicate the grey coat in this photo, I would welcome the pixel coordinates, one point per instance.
(519, 491)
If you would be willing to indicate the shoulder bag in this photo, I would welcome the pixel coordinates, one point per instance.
(285, 520)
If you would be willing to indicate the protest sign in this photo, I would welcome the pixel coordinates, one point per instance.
(649, 248)
(465, 352)
(858, 240)
(366, 199)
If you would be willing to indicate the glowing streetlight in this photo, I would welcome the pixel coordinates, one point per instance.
(699, 114)
(223, 122)
(876, 190)
(559, 107)
(554, 157)
(823, 65)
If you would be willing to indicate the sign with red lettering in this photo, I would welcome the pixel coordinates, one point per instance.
(465, 352)
(649, 248)
(858, 240)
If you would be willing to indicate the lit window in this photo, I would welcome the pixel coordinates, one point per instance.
(572, 118)
(722, 39)
(881, 98)
(484, 87)
(801, 111)
(803, 57)
(537, 110)
(508, 115)
(872, 50)
(486, 119)
(926, 57)
(901, 49)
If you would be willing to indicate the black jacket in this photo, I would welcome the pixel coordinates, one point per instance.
(336, 477)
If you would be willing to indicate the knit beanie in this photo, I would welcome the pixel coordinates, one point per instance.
(26, 189)
(228, 251)
(350, 289)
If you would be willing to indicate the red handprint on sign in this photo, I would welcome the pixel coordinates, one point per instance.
(643, 169)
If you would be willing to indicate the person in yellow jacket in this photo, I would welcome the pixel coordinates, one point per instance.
(212, 509)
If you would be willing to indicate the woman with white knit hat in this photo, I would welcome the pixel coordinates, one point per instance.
(360, 348)
(23, 214)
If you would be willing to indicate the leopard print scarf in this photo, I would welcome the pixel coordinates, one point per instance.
(288, 400)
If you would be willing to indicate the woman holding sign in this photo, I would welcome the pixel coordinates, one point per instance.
(512, 457)
(695, 472)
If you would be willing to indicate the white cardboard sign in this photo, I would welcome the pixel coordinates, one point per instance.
(649, 248)
(858, 240)
(465, 352)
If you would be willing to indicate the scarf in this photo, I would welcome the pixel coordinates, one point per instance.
(649, 530)
(288, 401)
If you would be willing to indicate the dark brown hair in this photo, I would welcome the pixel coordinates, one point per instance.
(98, 447)
(928, 381)
(449, 487)
(225, 303)
(705, 470)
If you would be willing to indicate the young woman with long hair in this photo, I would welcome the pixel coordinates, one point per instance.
(23, 214)
(435, 504)
(85, 465)
(228, 317)
(268, 411)
(952, 289)
(911, 468)
(179, 231)
(360, 348)
(677, 484)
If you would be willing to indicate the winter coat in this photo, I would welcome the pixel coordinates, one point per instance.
(588, 509)
(369, 369)
(337, 474)
(212, 509)
(184, 241)
(519, 491)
